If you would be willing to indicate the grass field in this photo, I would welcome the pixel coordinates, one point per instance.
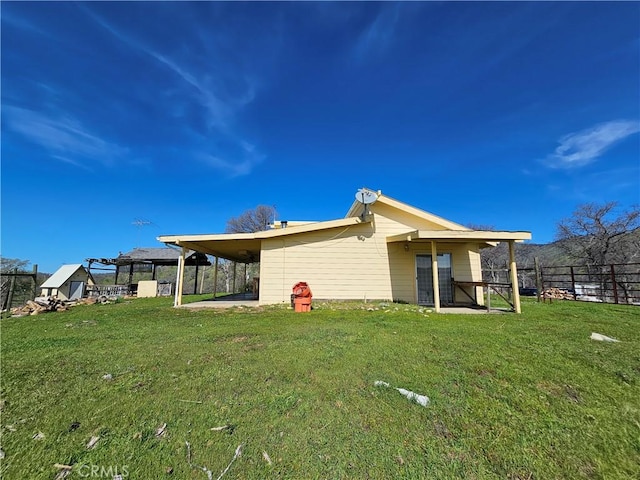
(512, 397)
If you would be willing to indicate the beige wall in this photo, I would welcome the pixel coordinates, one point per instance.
(356, 262)
(147, 289)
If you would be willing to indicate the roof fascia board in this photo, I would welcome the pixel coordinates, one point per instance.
(353, 209)
(311, 227)
(175, 239)
(483, 235)
(279, 232)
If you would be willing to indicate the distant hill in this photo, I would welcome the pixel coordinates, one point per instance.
(555, 253)
(548, 254)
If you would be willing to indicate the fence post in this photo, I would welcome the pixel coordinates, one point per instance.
(536, 265)
(12, 286)
(615, 286)
(35, 281)
(573, 283)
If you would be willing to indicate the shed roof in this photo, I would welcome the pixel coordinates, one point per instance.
(64, 273)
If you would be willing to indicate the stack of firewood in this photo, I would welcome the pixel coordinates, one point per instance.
(40, 305)
(557, 294)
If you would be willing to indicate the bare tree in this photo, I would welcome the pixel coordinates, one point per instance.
(250, 221)
(601, 234)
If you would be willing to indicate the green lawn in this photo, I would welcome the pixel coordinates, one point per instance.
(512, 396)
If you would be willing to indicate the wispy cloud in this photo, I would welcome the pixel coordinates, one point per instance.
(584, 147)
(64, 137)
(241, 160)
(379, 34)
(10, 19)
(233, 168)
(205, 89)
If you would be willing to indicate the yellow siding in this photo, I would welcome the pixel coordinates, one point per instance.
(355, 262)
(341, 263)
(408, 222)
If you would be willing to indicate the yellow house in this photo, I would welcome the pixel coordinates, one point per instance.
(382, 250)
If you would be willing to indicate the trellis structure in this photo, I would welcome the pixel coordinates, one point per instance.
(148, 260)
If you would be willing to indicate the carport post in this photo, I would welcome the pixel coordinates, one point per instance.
(180, 278)
(215, 280)
(195, 281)
(233, 286)
(436, 278)
(514, 277)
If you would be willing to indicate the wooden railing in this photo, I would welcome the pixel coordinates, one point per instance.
(110, 290)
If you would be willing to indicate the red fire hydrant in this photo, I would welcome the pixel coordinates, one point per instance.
(301, 297)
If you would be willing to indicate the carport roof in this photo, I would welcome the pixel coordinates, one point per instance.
(245, 247)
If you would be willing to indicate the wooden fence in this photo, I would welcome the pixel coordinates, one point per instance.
(10, 294)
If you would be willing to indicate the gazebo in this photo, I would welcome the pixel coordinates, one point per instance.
(148, 259)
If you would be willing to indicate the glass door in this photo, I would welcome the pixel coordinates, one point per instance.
(424, 279)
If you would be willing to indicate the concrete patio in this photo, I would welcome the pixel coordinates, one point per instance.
(228, 301)
(250, 301)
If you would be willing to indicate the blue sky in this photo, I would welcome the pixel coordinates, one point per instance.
(185, 114)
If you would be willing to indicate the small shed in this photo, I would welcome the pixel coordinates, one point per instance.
(68, 283)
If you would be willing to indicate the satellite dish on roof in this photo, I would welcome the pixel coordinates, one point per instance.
(366, 197)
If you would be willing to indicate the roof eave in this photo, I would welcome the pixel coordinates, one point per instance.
(460, 235)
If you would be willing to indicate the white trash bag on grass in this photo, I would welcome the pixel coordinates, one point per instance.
(412, 396)
(602, 338)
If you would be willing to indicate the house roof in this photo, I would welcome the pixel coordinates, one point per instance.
(245, 247)
(64, 273)
(357, 207)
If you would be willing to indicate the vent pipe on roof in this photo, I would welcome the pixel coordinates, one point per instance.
(284, 223)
